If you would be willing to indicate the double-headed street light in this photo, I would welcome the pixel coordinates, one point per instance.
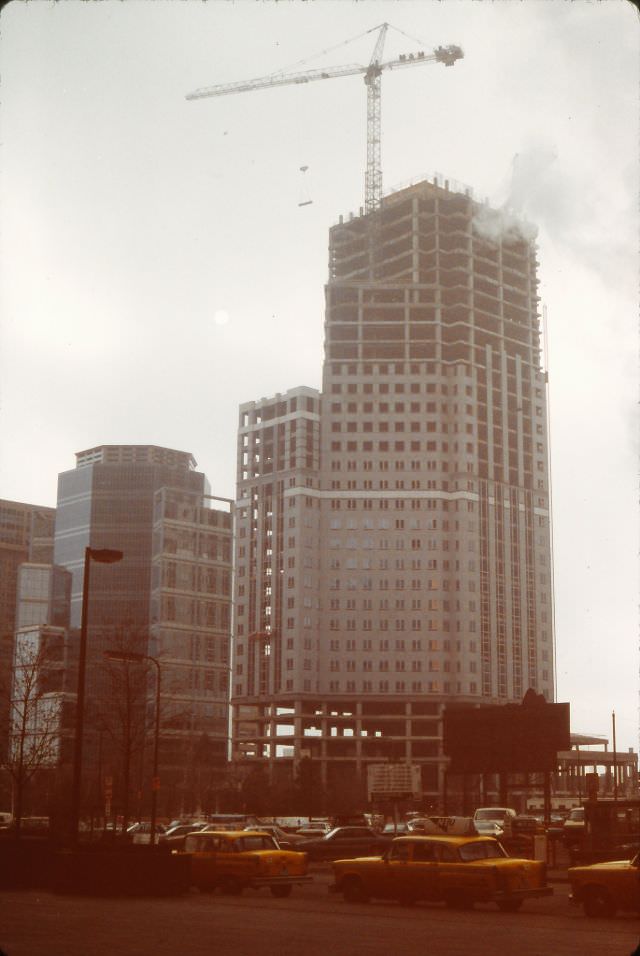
(130, 657)
(102, 556)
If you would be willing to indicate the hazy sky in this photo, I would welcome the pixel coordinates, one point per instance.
(157, 268)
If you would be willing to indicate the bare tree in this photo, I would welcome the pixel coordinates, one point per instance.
(35, 710)
(123, 710)
(120, 712)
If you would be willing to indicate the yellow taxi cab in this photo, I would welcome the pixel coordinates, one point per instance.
(458, 871)
(235, 859)
(604, 888)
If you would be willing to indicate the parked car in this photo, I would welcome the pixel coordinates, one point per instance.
(527, 823)
(29, 826)
(233, 860)
(174, 837)
(524, 829)
(342, 842)
(443, 826)
(237, 820)
(458, 871)
(286, 841)
(141, 832)
(555, 828)
(490, 828)
(395, 829)
(187, 821)
(604, 888)
(573, 828)
(350, 820)
(312, 832)
(503, 816)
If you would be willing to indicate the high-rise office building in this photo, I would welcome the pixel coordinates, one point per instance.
(44, 662)
(26, 534)
(168, 598)
(411, 566)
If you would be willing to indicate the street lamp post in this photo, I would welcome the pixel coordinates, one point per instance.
(130, 657)
(102, 556)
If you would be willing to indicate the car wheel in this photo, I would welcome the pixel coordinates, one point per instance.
(281, 891)
(509, 906)
(598, 902)
(353, 890)
(231, 886)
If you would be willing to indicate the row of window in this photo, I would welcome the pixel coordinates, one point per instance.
(201, 613)
(400, 687)
(179, 645)
(277, 409)
(401, 624)
(381, 687)
(416, 387)
(397, 407)
(179, 680)
(397, 368)
(367, 425)
(336, 664)
(352, 523)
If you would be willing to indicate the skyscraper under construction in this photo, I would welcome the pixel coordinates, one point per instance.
(393, 549)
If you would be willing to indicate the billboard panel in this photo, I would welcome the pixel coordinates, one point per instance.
(521, 738)
(393, 781)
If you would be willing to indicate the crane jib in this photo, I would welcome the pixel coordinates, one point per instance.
(372, 73)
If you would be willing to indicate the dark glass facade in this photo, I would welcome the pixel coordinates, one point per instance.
(151, 504)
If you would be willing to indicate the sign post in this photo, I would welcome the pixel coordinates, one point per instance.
(393, 782)
(108, 795)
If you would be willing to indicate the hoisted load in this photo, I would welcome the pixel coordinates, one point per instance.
(373, 176)
(305, 198)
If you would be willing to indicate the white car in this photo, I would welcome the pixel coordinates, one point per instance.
(141, 832)
(488, 828)
(503, 816)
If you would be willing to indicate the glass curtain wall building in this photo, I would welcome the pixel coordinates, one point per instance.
(169, 597)
(26, 534)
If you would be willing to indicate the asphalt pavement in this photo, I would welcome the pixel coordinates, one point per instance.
(311, 922)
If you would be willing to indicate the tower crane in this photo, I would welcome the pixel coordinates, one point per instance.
(372, 78)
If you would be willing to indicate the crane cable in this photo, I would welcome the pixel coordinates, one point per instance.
(331, 49)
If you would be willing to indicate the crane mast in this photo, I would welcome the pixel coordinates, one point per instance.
(372, 78)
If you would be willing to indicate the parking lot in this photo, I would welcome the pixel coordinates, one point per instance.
(311, 921)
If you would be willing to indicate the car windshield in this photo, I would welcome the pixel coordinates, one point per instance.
(490, 814)
(258, 841)
(485, 850)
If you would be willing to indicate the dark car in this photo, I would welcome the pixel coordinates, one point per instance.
(573, 828)
(174, 837)
(342, 843)
(524, 828)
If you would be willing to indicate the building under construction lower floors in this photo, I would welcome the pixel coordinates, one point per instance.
(325, 745)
